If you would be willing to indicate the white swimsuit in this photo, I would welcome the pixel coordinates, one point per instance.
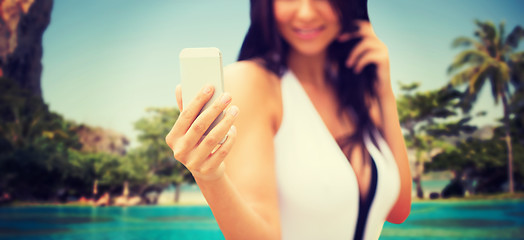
(318, 189)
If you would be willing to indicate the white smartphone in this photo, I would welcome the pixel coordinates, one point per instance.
(199, 67)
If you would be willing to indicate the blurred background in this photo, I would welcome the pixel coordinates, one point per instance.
(87, 97)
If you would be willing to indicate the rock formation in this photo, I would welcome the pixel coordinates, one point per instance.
(22, 25)
(96, 139)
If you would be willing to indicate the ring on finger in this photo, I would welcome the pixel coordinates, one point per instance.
(219, 144)
(223, 140)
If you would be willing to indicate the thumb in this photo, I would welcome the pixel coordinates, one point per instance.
(178, 93)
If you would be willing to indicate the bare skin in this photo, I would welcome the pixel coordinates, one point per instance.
(243, 195)
(238, 177)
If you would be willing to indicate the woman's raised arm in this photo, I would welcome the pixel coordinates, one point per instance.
(237, 180)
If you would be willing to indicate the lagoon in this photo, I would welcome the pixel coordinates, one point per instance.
(494, 219)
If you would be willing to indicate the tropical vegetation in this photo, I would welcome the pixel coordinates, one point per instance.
(438, 119)
(491, 57)
(42, 158)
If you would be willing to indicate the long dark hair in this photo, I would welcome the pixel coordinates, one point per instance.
(263, 42)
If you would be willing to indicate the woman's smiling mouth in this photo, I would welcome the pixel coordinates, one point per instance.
(308, 33)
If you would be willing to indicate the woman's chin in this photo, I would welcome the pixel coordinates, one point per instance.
(310, 50)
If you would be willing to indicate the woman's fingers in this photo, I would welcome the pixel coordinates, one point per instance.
(207, 159)
(203, 156)
(213, 165)
(366, 60)
(218, 133)
(365, 27)
(204, 120)
(347, 36)
(185, 119)
(363, 47)
(370, 50)
(178, 93)
(210, 144)
(188, 116)
(216, 159)
(364, 30)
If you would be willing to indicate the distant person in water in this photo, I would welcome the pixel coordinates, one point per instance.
(314, 148)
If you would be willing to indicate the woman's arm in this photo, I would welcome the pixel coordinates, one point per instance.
(241, 188)
(245, 204)
(390, 126)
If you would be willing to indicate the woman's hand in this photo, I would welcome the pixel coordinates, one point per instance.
(203, 155)
(370, 50)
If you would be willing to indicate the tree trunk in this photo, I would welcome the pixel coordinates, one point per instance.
(177, 192)
(417, 180)
(125, 190)
(508, 143)
(420, 192)
(95, 188)
(419, 165)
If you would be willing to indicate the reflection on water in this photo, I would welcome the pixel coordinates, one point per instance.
(428, 220)
(460, 220)
(462, 223)
(516, 214)
(182, 219)
(14, 232)
(54, 219)
(484, 207)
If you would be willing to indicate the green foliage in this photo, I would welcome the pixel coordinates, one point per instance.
(481, 162)
(40, 157)
(34, 144)
(516, 108)
(149, 166)
(25, 119)
(422, 107)
(86, 168)
(491, 58)
(424, 117)
(164, 168)
(451, 128)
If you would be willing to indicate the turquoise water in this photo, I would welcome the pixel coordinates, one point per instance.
(461, 220)
(428, 220)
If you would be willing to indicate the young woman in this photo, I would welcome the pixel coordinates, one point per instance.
(317, 151)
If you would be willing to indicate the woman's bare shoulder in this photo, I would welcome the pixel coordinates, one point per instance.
(249, 75)
(254, 88)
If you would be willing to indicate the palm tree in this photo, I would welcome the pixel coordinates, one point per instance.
(490, 57)
(418, 113)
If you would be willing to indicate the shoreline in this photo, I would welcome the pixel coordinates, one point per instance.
(479, 197)
(196, 201)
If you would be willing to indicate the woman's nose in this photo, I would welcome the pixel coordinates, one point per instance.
(306, 10)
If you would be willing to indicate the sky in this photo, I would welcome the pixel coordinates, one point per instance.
(106, 62)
